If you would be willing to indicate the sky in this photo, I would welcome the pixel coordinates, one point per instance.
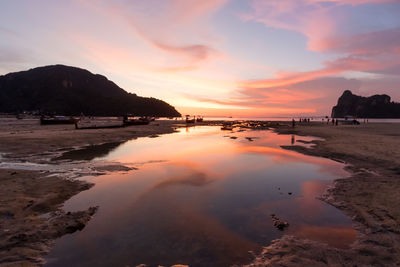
(262, 58)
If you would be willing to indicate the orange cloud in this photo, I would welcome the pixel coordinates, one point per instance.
(350, 63)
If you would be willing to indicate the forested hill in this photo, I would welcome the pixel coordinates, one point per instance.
(65, 90)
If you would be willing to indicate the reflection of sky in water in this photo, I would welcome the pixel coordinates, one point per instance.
(206, 203)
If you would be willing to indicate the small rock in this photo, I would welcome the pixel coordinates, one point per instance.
(278, 223)
(281, 225)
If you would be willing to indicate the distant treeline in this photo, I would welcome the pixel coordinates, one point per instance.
(65, 90)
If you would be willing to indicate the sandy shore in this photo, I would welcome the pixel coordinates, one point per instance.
(31, 217)
(370, 197)
(20, 139)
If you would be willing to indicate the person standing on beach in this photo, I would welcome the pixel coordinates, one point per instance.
(333, 121)
(293, 123)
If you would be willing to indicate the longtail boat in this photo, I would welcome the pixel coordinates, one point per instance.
(92, 127)
(57, 120)
(139, 121)
(188, 120)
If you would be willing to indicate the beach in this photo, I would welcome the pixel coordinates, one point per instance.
(31, 200)
(368, 197)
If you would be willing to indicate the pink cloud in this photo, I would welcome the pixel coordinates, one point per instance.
(306, 17)
(376, 51)
(352, 2)
(194, 52)
(362, 63)
(186, 10)
(172, 23)
(313, 18)
(376, 42)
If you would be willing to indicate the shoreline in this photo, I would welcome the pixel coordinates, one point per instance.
(375, 168)
(368, 197)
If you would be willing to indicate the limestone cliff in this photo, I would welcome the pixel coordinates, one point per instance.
(376, 106)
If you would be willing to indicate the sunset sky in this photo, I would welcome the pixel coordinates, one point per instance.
(215, 57)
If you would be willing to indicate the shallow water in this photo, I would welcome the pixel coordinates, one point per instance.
(203, 199)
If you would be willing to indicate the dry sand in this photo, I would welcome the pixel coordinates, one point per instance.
(370, 197)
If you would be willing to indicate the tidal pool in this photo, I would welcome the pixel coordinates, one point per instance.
(202, 198)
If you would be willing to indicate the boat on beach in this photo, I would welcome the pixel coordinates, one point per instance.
(92, 127)
(58, 120)
(189, 120)
(111, 123)
(227, 127)
(139, 121)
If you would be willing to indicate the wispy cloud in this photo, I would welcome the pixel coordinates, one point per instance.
(194, 53)
(373, 51)
(199, 54)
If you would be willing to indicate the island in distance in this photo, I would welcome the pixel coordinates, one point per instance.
(66, 90)
(376, 106)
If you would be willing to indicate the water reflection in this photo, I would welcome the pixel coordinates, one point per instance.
(206, 201)
(89, 152)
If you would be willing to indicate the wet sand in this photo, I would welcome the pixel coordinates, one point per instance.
(30, 201)
(31, 217)
(27, 138)
(370, 197)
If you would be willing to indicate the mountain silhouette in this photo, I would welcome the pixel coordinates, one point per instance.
(376, 106)
(66, 90)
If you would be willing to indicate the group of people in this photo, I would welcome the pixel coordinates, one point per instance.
(334, 122)
(300, 121)
(304, 120)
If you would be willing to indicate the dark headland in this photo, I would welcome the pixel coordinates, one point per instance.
(66, 90)
(376, 106)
